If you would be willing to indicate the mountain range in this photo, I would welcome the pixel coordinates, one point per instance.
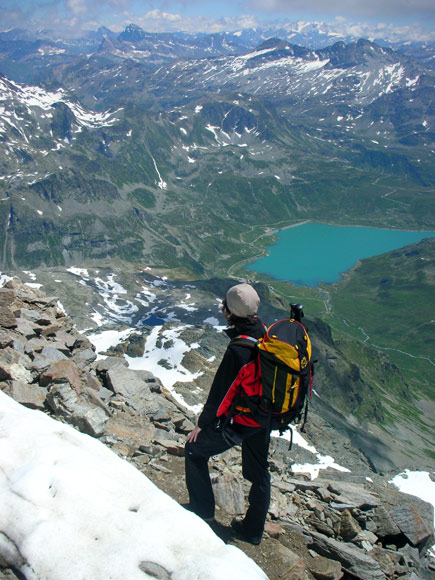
(185, 153)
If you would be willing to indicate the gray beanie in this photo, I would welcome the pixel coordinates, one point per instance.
(242, 300)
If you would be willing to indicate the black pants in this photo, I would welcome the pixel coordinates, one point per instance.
(255, 468)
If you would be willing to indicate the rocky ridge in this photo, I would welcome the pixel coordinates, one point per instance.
(342, 525)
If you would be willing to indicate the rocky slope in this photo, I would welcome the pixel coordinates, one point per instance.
(341, 525)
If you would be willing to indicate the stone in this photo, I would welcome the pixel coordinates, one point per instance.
(138, 429)
(30, 396)
(132, 385)
(411, 523)
(273, 530)
(349, 527)
(155, 571)
(281, 506)
(66, 403)
(85, 357)
(6, 338)
(385, 525)
(63, 371)
(7, 296)
(182, 424)
(386, 562)
(53, 354)
(283, 486)
(353, 495)
(324, 569)
(38, 365)
(172, 447)
(354, 560)
(66, 337)
(26, 328)
(49, 330)
(7, 319)
(365, 536)
(103, 365)
(35, 345)
(14, 371)
(292, 567)
(33, 315)
(228, 492)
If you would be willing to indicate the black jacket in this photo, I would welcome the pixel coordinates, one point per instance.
(234, 359)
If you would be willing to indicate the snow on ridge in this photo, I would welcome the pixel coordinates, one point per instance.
(35, 97)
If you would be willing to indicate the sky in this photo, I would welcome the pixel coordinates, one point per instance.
(212, 15)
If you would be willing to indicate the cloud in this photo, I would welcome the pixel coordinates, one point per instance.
(77, 7)
(415, 9)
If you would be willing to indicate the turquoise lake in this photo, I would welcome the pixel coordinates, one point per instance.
(313, 253)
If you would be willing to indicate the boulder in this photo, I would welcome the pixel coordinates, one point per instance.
(68, 405)
(351, 495)
(324, 569)
(354, 560)
(228, 492)
(349, 527)
(31, 396)
(133, 385)
(411, 523)
(63, 371)
(292, 567)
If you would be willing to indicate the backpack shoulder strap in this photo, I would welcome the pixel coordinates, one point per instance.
(244, 340)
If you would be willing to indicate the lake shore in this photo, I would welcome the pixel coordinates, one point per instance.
(326, 252)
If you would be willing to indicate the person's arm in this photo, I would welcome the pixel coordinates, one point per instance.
(223, 380)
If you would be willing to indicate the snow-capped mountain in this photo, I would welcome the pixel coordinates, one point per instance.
(35, 122)
(280, 118)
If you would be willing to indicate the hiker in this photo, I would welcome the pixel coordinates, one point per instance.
(214, 435)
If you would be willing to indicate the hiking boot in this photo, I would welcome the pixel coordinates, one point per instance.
(239, 528)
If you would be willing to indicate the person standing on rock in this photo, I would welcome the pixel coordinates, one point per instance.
(214, 435)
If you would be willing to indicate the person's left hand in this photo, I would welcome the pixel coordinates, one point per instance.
(193, 435)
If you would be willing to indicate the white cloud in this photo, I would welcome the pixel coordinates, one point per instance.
(353, 8)
(77, 7)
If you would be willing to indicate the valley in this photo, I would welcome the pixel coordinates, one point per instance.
(134, 152)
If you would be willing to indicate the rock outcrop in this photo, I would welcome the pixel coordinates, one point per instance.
(341, 525)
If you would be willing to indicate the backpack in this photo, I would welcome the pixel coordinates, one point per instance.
(274, 391)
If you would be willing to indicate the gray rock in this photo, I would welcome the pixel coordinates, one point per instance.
(132, 385)
(323, 569)
(385, 525)
(155, 570)
(68, 405)
(85, 357)
(26, 327)
(6, 338)
(15, 372)
(353, 559)
(353, 495)
(33, 315)
(7, 319)
(103, 365)
(53, 354)
(31, 396)
(411, 523)
(7, 296)
(228, 492)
